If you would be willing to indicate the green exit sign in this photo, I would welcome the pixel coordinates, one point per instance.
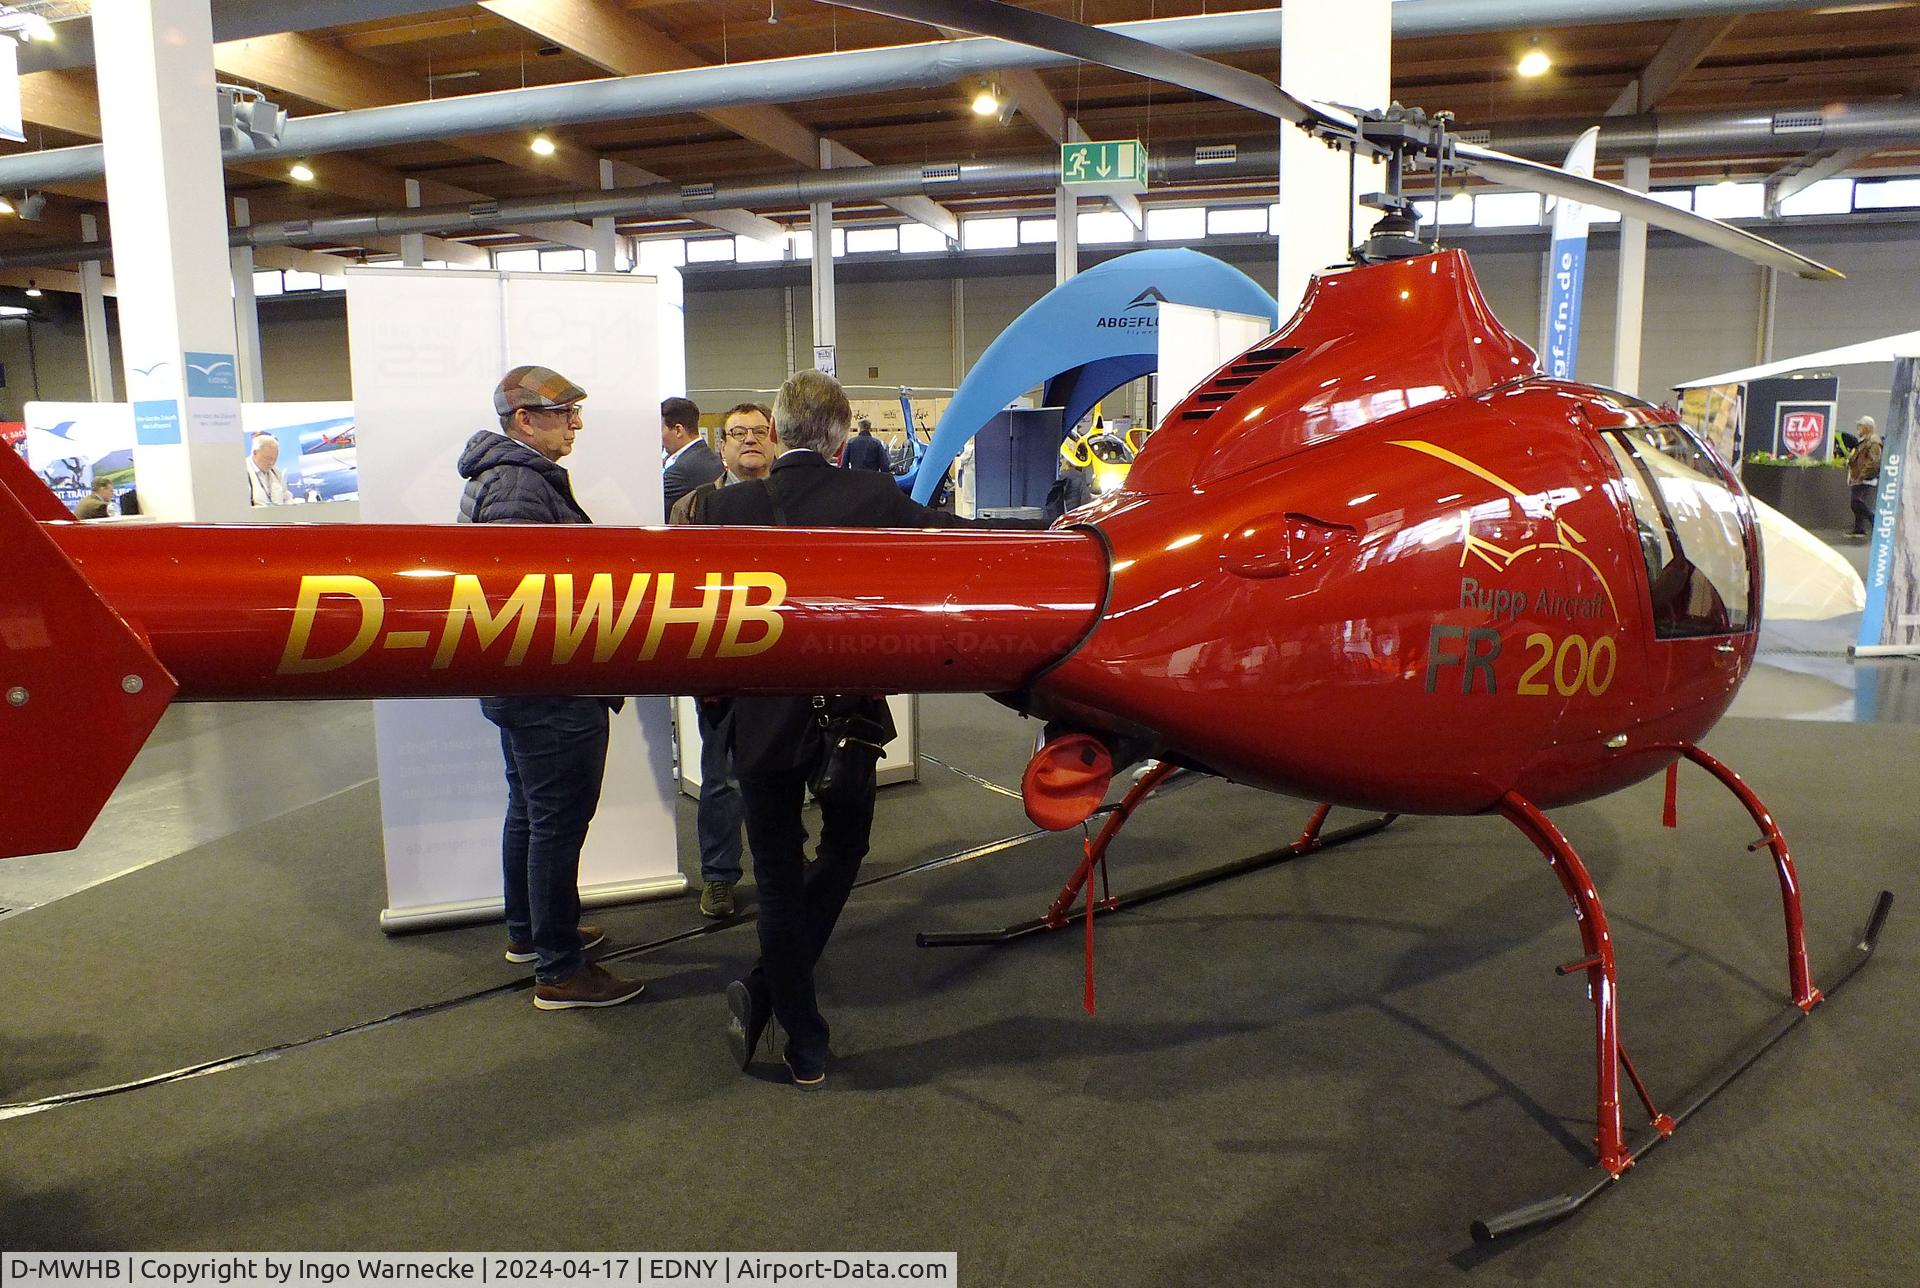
(1112, 163)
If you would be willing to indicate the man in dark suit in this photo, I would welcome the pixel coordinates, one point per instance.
(690, 461)
(865, 452)
(777, 741)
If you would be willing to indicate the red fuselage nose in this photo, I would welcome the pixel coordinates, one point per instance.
(1412, 579)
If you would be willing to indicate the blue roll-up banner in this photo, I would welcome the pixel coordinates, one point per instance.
(1891, 619)
(1566, 273)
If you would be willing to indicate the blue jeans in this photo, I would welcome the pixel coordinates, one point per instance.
(555, 751)
(719, 815)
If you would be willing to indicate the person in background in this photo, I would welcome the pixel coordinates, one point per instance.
(266, 485)
(865, 452)
(96, 504)
(746, 448)
(555, 748)
(690, 462)
(776, 741)
(1863, 475)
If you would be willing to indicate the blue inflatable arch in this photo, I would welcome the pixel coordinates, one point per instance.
(1084, 339)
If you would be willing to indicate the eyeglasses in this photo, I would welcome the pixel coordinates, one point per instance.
(571, 411)
(741, 433)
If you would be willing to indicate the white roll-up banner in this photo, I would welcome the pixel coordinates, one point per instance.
(427, 347)
(1196, 342)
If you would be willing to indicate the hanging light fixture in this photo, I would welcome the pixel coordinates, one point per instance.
(300, 172)
(986, 102)
(33, 292)
(1535, 61)
(542, 146)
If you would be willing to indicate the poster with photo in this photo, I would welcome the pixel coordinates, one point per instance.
(1713, 412)
(69, 444)
(318, 451)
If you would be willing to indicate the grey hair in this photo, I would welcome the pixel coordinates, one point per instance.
(262, 437)
(811, 410)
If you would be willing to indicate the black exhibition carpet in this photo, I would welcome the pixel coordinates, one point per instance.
(1316, 1074)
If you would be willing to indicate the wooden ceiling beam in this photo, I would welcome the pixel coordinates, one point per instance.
(608, 36)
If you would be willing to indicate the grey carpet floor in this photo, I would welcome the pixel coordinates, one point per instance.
(1316, 1074)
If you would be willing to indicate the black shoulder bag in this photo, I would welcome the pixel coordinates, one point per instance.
(854, 731)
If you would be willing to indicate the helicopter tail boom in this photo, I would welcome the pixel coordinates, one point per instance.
(101, 624)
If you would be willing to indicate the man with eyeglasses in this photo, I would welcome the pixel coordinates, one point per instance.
(555, 748)
(747, 444)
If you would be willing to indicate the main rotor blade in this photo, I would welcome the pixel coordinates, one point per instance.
(1537, 177)
(1093, 45)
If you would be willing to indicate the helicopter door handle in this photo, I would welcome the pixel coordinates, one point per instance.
(1283, 545)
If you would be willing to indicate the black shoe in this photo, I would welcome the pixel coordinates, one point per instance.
(807, 1072)
(749, 1012)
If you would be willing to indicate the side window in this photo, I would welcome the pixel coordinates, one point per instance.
(1690, 532)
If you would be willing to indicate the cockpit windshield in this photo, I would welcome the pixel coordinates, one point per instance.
(1691, 534)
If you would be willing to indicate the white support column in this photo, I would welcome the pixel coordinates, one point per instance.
(165, 192)
(413, 246)
(824, 327)
(1066, 227)
(1332, 51)
(603, 238)
(246, 314)
(1630, 302)
(93, 317)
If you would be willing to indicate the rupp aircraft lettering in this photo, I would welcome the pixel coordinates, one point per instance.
(730, 615)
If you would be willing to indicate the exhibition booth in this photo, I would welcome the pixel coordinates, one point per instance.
(1369, 801)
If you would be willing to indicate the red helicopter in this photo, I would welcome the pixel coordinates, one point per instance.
(1406, 577)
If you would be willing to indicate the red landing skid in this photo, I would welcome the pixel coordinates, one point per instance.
(1614, 1153)
(1060, 913)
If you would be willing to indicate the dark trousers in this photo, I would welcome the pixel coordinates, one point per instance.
(1863, 494)
(554, 768)
(799, 902)
(718, 818)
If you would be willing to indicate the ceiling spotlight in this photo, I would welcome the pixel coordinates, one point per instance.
(1535, 61)
(986, 102)
(33, 292)
(1727, 179)
(6, 207)
(300, 172)
(542, 146)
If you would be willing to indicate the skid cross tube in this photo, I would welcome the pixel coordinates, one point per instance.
(1805, 995)
(1602, 978)
(1059, 914)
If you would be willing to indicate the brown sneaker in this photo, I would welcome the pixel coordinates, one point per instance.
(591, 985)
(716, 900)
(590, 937)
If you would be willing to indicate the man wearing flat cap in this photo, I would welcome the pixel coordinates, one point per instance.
(555, 748)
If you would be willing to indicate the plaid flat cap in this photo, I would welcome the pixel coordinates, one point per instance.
(534, 387)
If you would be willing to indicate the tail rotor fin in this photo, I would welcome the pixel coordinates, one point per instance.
(79, 690)
(17, 477)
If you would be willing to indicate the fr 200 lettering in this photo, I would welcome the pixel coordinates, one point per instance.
(1570, 665)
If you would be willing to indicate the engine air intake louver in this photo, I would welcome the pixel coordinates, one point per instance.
(1233, 378)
